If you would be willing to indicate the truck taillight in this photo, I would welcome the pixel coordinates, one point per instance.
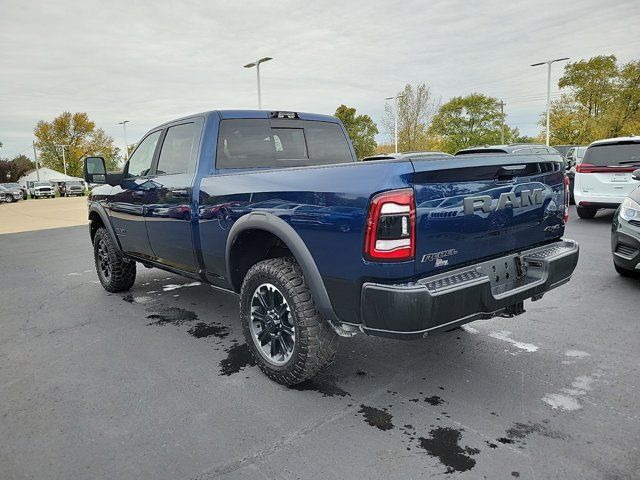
(391, 231)
(565, 216)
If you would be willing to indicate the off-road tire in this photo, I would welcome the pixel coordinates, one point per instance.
(123, 272)
(315, 343)
(586, 212)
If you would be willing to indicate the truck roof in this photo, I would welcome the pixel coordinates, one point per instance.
(257, 114)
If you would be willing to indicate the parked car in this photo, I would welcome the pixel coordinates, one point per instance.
(14, 185)
(396, 156)
(11, 193)
(3, 195)
(573, 156)
(625, 233)
(70, 189)
(511, 149)
(41, 190)
(274, 207)
(604, 176)
(563, 149)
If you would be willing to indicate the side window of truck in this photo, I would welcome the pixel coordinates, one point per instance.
(140, 161)
(178, 149)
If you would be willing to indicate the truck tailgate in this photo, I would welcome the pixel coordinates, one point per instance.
(472, 208)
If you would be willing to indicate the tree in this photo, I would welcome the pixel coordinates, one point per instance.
(600, 100)
(361, 129)
(416, 108)
(470, 121)
(82, 139)
(15, 167)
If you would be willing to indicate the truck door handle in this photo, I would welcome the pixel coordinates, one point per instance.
(179, 192)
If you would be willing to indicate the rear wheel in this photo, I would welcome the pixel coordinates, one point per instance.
(116, 274)
(287, 336)
(586, 212)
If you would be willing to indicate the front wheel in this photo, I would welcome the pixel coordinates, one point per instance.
(116, 274)
(287, 336)
(586, 212)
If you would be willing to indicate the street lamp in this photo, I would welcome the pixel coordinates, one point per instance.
(395, 115)
(126, 146)
(257, 65)
(548, 63)
(64, 160)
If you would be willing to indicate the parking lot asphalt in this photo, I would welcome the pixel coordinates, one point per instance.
(158, 384)
(43, 213)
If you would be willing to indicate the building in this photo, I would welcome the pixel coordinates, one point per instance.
(45, 174)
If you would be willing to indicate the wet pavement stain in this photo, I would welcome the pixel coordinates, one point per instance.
(202, 330)
(505, 440)
(434, 400)
(238, 358)
(444, 445)
(519, 431)
(324, 384)
(173, 315)
(515, 474)
(381, 419)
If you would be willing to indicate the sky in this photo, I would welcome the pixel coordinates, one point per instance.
(150, 62)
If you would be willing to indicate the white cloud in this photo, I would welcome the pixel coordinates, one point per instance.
(149, 62)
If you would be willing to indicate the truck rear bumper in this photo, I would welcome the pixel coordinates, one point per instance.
(480, 291)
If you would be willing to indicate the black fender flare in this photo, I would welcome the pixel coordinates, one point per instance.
(99, 209)
(286, 233)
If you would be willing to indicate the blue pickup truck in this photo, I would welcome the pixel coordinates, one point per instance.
(274, 207)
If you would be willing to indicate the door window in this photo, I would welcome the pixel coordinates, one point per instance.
(178, 149)
(140, 161)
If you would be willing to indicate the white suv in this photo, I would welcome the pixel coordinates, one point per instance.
(603, 177)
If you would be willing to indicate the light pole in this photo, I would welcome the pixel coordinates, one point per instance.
(502, 105)
(126, 146)
(257, 65)
(548, 63)
(64, 160)
(395, 116)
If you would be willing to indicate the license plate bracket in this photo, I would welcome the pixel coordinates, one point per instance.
(619, 177)
(506, 270)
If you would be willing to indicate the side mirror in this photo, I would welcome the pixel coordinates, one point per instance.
(95, 171)
(636, 174)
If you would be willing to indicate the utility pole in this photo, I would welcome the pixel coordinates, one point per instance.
(64, 159)
(502, 105)
(126, 145)
(395, 116)
(257, 65)
(548, 63)
(35, 158)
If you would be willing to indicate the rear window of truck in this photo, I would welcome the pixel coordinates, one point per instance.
(613, 154)
(257, 143)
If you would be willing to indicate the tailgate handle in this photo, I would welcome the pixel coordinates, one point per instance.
(508, 172)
